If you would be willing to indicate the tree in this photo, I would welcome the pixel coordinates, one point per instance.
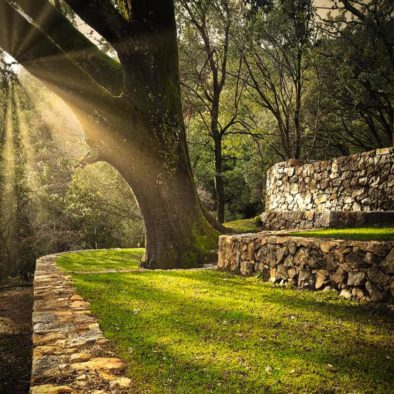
(276, 63)
(141, 131)
(208, 28)
(15, 223)
(357, 68)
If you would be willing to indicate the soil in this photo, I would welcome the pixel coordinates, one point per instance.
(15, 339)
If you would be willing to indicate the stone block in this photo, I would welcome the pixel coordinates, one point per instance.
(281, 272)
(304, 278)
(358, 293)
(388, 263)
(376, 276)
(339, 276)
(356, 278)
(346, 294)
(321, 278)
(326, 246)
(273, 275)
(374, 292)
(246, 268)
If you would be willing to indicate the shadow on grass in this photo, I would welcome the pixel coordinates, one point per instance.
(173, 325)
(328, 303)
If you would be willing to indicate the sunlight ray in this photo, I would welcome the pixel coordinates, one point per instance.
(27, 146)
(59, 119)
(8, 194)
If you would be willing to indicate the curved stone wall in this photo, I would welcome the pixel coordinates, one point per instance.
(361, 182)
(70, 354)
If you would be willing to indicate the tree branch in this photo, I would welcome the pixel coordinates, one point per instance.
(104, 70)
(46, 61)
(103, 17)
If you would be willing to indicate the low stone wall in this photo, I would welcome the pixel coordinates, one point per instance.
(360, 182)
(329, 219)
(70, 353)
(358, 270)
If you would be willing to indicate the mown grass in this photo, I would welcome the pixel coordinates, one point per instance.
(101, 260)
(358, 234)
(244, 225)
(202, 331)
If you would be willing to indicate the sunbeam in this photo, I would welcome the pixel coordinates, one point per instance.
(8, 193)
(31, 176)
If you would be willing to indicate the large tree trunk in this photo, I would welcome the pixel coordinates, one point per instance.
(177, 231)
(141, 132)
(149, 150)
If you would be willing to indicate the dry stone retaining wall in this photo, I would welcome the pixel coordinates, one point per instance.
(357, 269)
(315, 219)
(361, 182)
(70, 353)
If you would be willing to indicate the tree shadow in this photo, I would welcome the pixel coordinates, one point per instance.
(322, 302)
(359, 357)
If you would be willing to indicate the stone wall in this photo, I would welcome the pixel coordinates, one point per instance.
(361, 182)
(276, 220)
(70, 352)
(357, 269)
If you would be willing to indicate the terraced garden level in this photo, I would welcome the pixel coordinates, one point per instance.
(199, 331)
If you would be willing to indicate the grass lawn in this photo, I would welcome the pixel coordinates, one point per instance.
(244, 225)
(200, 331)
(359, 234)
(102, 260)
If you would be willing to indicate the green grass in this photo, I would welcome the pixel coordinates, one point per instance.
(210, 332)
(358, 234)
(244, 225)
(101, 260)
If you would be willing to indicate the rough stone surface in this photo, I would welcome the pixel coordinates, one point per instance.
(278, 220)
(356, 190)
(361, 270)
(70, 353)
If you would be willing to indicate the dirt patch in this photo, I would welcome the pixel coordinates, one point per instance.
(15, 339)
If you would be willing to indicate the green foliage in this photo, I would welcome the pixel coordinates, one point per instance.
(201, 331)
(100, 199)
(352, 82)
(358, 234)
(345, 72)
(222, 149)
(58, 204)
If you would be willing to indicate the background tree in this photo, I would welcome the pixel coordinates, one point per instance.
(276, 61)
(355, 62)
(209, 55)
